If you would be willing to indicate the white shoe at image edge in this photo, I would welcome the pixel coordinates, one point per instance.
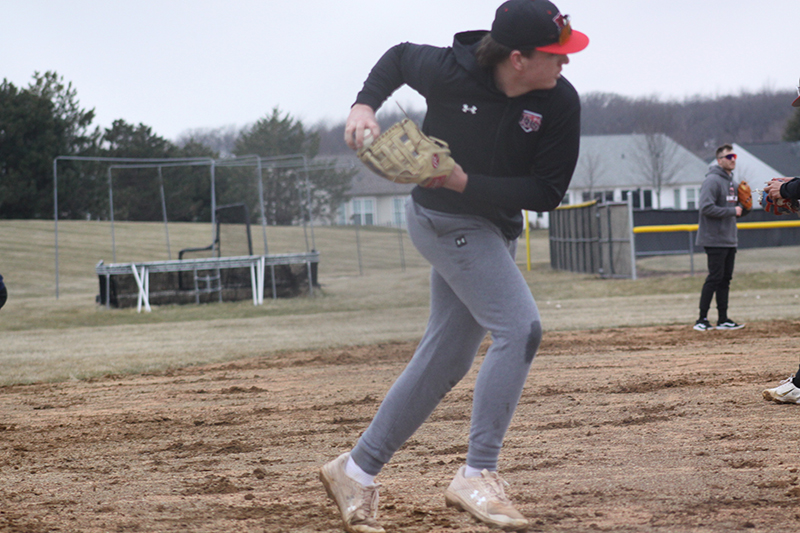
(786, 392)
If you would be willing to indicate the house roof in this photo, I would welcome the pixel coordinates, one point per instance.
(783, 157)
(367, 183)
(608, 161)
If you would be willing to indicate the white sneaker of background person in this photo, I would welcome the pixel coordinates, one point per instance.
(786, 392)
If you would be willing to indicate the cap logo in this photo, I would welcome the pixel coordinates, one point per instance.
(530, 121)
(561, 21)
(435, 161)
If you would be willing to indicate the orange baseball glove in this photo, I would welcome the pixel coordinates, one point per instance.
(745, 195)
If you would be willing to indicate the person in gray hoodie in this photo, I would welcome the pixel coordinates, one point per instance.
(718, 235)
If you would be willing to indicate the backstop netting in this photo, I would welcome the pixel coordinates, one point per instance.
(205, 208)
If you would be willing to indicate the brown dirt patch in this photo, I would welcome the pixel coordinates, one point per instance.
(629, 429)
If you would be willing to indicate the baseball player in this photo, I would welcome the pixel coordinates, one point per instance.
(512, 123)
(779, 191)
(717, 233)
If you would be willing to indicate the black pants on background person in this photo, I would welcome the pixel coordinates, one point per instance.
(718, 281)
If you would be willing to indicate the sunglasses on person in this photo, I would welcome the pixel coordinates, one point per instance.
(729, 157)
(566, 33)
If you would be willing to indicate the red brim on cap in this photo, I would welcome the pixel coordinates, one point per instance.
(796, 102)
(577, 42)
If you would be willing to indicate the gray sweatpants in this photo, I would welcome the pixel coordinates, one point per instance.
(475, 287)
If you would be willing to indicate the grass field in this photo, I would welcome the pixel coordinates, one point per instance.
(47, 339)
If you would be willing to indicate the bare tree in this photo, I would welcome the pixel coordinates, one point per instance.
(221, 140)
(698, 123)
(657, 160)
(590, 165)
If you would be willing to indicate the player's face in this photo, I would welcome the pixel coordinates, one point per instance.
(543, 69)
(727, 160)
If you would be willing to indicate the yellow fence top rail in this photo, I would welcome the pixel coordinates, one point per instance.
(693, 227)
(576, 206)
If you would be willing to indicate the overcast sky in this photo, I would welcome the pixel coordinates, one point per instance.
(177, 65)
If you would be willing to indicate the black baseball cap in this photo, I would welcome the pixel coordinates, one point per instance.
(536, 25)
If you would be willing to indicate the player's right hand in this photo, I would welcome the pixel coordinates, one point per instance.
(361, 117)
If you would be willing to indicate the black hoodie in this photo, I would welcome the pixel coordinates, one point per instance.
(519, 152)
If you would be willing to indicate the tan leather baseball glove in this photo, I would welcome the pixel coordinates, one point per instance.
(403, 154)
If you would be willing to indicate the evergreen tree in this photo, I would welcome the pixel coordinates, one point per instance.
(293, 188)
(37, 124)
(792, 131)
(137, 191)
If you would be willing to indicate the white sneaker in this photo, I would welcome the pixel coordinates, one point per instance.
(484, 498)
(357, 504)
(786, 392)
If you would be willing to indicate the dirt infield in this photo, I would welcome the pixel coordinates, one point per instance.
(635, 429)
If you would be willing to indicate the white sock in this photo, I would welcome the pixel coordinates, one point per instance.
(472, 472)
(354, 472)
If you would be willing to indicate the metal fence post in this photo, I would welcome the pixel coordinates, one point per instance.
(633, 237)
(402, 254)
(358, 248)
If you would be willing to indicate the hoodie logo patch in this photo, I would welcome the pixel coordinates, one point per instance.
(461, 240)
(473, 109)
(530, 121)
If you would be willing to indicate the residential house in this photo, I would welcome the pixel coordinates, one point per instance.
(372, 200)
(612, 167)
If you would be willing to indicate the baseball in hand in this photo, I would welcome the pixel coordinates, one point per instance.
(367, 137)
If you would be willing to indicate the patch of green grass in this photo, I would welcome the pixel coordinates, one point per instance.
(47, 339)
(28, 255)
(547, 283)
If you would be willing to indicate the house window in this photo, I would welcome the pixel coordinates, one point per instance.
(363, 212)
(600, 196)
(691, 198)
(677, 201)
(642, 199)
(635, 198)
(565, 200)
(399, 212)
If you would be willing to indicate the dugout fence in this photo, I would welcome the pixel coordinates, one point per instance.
(593, 238)
(606, 239)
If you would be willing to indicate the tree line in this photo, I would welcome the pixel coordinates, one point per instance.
(699, 124)
(45, 120)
